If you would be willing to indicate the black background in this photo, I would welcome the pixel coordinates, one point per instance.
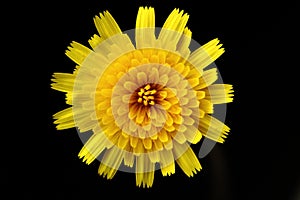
(260, 158)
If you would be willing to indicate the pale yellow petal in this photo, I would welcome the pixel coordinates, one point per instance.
(184, 43)
(219, 93)
(111, 162)
(166, 158)
(153, 156)
(179, 137)
(129, 158)
(208, 78)
(85, 124)
(193, 135)
(93, 147)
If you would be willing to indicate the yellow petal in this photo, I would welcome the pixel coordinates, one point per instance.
(145, 28)
(64, 119)
(158, 144)
(63, 82)
(133, 141)
(144, 171)
(66, 113)
(123, 141)
(206, 54)
(168, 170)
(106, 25)
(77, 52)
(172, 29)
(188, 161)
(147, 143)
(193, 82)
(163, 136)
(139, 149)
(145, 18)
(93, 147)
(95, 41)
(65, 125)
(140, 115)
(206, 106)
(106, 171)
(213, 128)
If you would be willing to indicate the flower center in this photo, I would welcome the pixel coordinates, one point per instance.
(146, 95)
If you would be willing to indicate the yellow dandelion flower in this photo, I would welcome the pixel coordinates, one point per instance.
(143, 95)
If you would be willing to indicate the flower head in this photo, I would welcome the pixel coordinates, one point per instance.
(145, 100)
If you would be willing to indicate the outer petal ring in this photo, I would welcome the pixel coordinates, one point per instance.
(87, 79)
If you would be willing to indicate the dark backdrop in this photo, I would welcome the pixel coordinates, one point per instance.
(259, 159)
